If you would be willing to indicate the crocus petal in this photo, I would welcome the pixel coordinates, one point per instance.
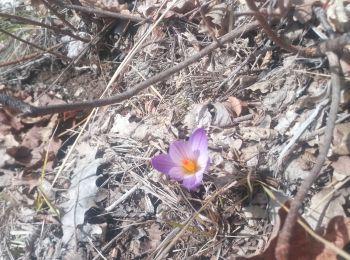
(179, 151)
(198, 140)
(177, 173)
(199, 145)
(191, 182)
(162, 163)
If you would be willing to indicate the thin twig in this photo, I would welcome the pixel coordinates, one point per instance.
(33, 111)
(60, 16)
(311, 52)
(24, 58)
(29, 21)
(283, 243)
(59, 55)
(104, 13)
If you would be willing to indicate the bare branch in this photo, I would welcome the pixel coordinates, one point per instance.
(28, 110)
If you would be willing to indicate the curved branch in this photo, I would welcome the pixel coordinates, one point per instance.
(32, 111)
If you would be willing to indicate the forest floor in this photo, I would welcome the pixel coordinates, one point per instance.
(80, 184)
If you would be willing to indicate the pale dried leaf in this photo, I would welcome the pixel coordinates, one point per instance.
(250, 155)
(341, 139)
(81, 195)
(258, 133)
(341, 167)
(325, 205)
(338, 14)
(262, 86)
(222, 116)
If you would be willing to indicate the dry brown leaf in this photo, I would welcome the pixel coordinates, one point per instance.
(236, 105)
(216, 18)
(338, 233)
(341, 139)
(342, 165)
(303, 246)
(9, 122)
(32, 149)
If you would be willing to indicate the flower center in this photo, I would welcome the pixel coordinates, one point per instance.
(190, 166)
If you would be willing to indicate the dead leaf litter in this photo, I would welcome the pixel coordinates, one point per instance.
(264, 111)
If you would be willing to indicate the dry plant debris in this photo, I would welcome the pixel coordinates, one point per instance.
(270, 95)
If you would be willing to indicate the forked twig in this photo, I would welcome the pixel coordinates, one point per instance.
(283, 243)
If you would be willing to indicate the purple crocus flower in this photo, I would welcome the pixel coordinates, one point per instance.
(186, 161)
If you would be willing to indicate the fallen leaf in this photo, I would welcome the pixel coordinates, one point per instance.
(236, 105)
(216, 19)
(338, 233)
(303, 245)
(215, 114)
(81, 195)
(44, 100)
(338, 14)
(221, 116)
(341, 139)
(325, 205)
(341, 166)
(258, 133)
(250, 155)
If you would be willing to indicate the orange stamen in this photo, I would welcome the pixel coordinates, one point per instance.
(190, 166)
